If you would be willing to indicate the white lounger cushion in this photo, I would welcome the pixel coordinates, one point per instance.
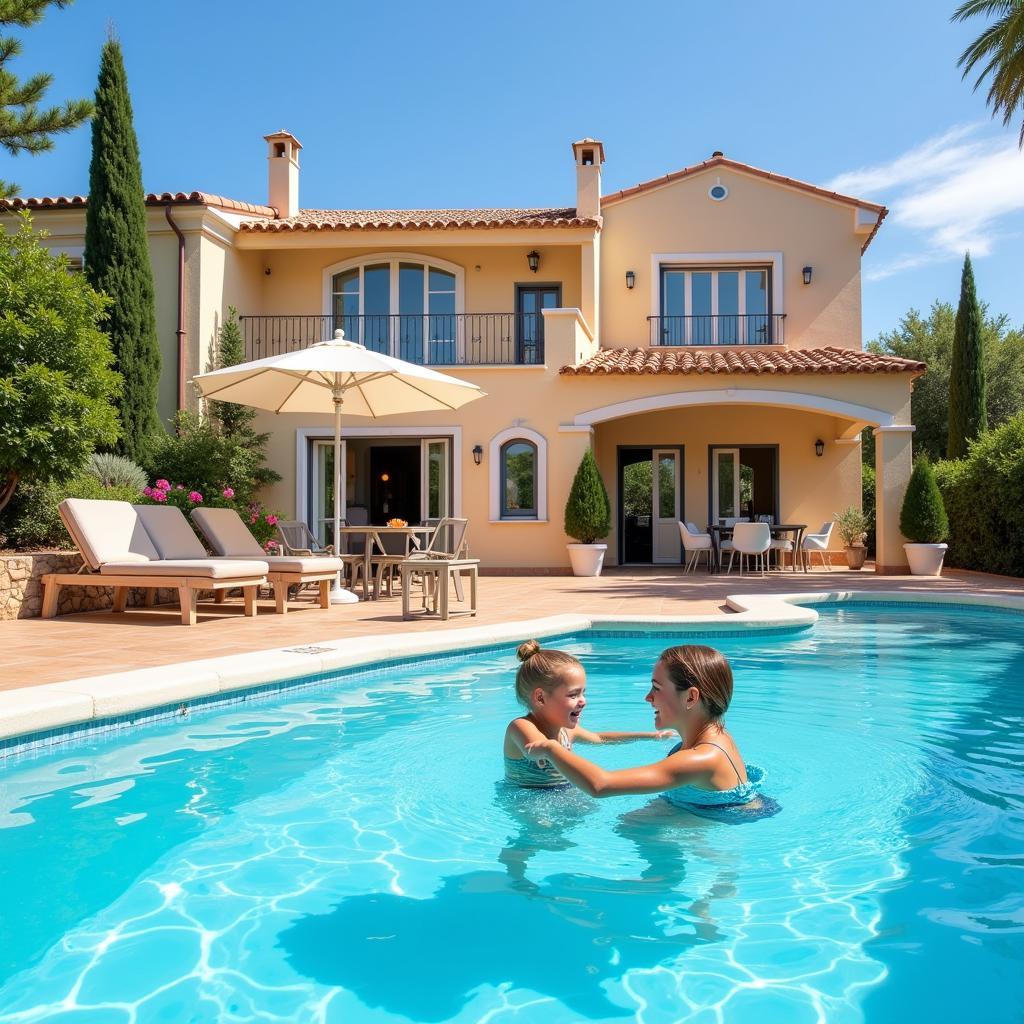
(169, 530)
(210, 568)
(290, 563)
(107, 531)
(224, 529)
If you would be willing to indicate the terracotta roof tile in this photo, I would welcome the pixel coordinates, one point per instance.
(422, 220)
(152, 199)
(672, 360)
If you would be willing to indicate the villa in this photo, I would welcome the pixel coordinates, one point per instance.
(702, 331)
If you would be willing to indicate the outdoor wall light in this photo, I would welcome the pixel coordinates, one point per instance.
(384, 477)
(807, 274)
(630, 278)
(478, 453)
(819, 447)
(533, 258)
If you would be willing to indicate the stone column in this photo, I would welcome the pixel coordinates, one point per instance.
(893, 463)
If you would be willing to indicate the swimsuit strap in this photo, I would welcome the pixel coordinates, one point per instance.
(708, 743)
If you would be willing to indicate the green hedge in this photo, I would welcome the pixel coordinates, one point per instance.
(984, 498)
(867, 502)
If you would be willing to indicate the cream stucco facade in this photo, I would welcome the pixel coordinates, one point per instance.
(600, 278)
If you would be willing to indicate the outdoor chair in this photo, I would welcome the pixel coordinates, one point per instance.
(298, 540)
(694, 544)
(449, 542)
(750, 539)
(119, 550)
(228, 536)
(726, 544)
(395, 549)
(818, 542)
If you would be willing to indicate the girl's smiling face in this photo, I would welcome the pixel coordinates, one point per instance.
(670, 705)
(563, 706)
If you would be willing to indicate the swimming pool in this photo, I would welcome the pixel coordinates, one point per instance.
(346, 852)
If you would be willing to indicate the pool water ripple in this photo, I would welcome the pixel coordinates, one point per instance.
(351, 853)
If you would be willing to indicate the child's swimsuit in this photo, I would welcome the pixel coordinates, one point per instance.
(521, 771)
(742, 793)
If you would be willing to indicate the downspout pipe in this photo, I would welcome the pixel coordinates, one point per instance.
(180, 332)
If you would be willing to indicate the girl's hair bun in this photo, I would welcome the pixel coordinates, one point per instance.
(527, 649)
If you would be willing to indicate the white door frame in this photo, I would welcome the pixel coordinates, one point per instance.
(665, 540)
(715, 511)
(425, 443)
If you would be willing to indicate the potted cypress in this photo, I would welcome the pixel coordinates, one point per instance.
(588, 517)
(853, 528)
(923, 521)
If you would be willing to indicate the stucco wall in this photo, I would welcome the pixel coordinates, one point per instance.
(757, 216)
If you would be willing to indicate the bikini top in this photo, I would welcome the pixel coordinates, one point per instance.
(742, 793)
(542, 774)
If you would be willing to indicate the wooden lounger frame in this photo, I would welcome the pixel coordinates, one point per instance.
(188, 588)
(281, 581)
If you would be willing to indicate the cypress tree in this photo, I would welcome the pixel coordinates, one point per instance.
(234, 419)
(967, 416)
(116, 253)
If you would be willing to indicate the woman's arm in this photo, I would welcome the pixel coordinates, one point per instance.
(586, 736)
(653, 778)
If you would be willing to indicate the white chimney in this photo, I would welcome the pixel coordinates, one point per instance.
(283, 177)
(589, 155)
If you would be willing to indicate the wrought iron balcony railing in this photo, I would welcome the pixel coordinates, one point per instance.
(436, 339)
(721, 329)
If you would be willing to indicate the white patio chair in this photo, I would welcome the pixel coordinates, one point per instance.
(726, 543)
(817, 542)
(750, 539)
(694, 543)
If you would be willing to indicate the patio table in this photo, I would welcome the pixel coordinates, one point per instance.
(720, 533)
(373, 536)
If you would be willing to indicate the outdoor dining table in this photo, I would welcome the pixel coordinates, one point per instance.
(720, 533)
(373, 536)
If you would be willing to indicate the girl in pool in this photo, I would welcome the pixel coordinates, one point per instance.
(552, 686)
(690, 691)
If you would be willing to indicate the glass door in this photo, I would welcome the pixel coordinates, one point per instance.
(530, 300)
(665, 505)
(725, 484)
(324, 480)
(435, 478)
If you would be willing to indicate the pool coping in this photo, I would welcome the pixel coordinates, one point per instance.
(57, 708)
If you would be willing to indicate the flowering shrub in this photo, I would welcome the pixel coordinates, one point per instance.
(262, 524)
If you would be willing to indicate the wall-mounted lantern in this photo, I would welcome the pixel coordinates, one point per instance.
(478, 453)
(630, 278)
(819, 447)
(807, 274)
(533, 258)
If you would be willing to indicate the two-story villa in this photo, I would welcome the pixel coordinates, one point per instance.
(702, 331)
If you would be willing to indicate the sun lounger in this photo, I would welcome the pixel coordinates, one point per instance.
(119, 552)
(227, 535)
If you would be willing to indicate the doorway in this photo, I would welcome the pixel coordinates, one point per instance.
(394, 483)
(744, 482)
(650, 501)
(530, 300)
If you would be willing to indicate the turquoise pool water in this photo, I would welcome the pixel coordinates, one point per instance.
(347, 853)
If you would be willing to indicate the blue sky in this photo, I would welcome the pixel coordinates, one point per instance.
(408, 104)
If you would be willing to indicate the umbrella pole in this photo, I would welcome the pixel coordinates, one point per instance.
(339, 595)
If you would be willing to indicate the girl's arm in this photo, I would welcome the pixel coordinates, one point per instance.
(586, 736)
(520, 732)
(686, 766)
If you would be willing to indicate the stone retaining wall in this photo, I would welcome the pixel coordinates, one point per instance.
(21, 587)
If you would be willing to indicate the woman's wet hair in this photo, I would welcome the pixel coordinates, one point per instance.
(540, 667)
(704, 667)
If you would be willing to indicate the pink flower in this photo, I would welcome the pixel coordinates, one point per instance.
(253, 518)
(147, 491)
(272, 520)
(159, 495)
(228, 492)
(163, 485)
(271, 545)
(180, 487)
(195, 497)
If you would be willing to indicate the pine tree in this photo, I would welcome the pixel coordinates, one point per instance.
(24, 128)
(117, 256)
(967, 416)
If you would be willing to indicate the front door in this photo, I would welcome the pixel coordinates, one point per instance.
(530, 300)
(665, 505)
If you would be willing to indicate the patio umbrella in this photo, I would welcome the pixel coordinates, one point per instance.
(327, 376)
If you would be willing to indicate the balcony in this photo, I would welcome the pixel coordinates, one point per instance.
(721, 329)
(438, 339)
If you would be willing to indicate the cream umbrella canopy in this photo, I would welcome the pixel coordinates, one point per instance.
(329, 375)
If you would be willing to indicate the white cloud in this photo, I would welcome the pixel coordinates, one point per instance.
(951, 193)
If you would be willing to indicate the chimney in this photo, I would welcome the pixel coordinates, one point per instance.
(589, 155)
(283, 177)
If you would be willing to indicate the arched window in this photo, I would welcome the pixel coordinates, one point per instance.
(518, 479)
(517, 470)
(400, 304)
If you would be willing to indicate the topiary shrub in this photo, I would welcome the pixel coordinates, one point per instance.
(588, 513)
(117, 471)
(923, 516)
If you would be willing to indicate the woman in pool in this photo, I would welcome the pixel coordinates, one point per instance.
(552, 686)
(690, 691)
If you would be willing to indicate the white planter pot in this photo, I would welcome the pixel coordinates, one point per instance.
(925, 559)
(586, 559)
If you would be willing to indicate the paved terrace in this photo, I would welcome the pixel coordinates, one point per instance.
(39, 651)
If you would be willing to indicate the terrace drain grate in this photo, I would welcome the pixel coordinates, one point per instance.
(309, 650)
